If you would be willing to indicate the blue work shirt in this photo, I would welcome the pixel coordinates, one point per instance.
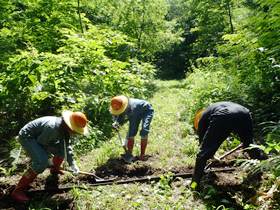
(49, 134)
(136, 111)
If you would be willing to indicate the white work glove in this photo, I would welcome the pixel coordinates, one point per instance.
(74, 169)
(116, 125)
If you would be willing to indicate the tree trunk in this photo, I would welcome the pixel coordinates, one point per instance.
(81, 24)
(230, 16)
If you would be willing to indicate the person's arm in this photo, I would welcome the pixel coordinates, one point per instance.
(69, 154)
(120, 119)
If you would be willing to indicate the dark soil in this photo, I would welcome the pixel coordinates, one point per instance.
(215, 185)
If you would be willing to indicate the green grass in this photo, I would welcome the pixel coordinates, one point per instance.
(169, 143)
(170, 147)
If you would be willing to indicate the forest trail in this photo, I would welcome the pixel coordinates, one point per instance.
(167, 139)
(169, 147)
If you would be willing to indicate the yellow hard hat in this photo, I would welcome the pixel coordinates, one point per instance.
(197, 118)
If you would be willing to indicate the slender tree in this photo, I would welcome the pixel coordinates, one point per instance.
(80, 19)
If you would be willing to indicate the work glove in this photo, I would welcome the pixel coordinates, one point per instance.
(116, 125)
(194, 185)
(74, 169)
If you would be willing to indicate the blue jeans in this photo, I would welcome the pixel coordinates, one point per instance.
(38, 153)
(146, 122)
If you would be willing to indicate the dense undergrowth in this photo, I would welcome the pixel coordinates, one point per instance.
(48, 65)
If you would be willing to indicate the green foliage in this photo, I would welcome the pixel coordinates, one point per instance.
(267, 25)
(209, 84)
(143, 21)
(10, 152)
(256, 72)
(272, 131)
(164, 183)
(62, 69)
(272, 148)
(204, 23)
(210, 25)
(244, 72)
(35, 23)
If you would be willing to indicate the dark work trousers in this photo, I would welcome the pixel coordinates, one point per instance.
(214, 130)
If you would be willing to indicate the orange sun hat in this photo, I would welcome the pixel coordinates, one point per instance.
(118, 104)
(76, 121)
(197, 118)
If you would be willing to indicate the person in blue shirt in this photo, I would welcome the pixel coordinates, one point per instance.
(44, 136)
(135, 111)
(214, 124)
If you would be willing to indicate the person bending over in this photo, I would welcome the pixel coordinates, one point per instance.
(136, 111)
(214, 124)
(49, 135)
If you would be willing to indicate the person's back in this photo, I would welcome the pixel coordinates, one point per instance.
(215, 124)
(44, 130)
(223, 108)
(137, 107)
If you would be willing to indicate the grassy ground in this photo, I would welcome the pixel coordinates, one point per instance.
(169, 148)
(172, 148)
(168, 144)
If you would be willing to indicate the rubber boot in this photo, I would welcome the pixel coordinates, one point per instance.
(130, 145)
(144, 143)
(18, 193)
(128, 157)
(200, 164)
(57, 161)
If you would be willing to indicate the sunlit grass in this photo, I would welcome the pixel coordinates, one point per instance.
(167, 137)
(168, 143)
(170, 146)
(139, 196)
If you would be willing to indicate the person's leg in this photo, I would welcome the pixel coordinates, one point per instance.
(18, 193)
(55, 168)
(143, 146)
(37, 153)
(130, 144)
(216, 133)
(57, 160)
(132, 131)
(146, 122)
(39, 159)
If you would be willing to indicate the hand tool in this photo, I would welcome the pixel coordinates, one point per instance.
(128, 158)
(225, 155)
